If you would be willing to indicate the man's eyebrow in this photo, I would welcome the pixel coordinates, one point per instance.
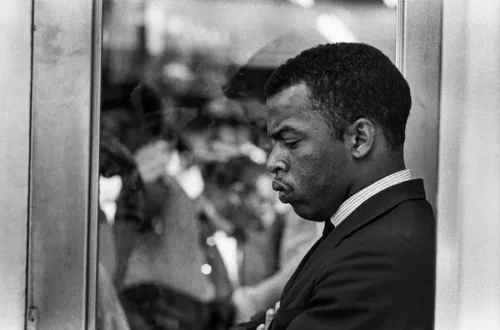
(281, 130)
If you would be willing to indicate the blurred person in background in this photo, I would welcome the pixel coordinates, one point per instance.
(122, 199)
(123, 202)
(246, 86)
(241, 204)
(163, 286)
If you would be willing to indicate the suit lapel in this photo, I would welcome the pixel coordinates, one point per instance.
(367, 212)
(301, 265)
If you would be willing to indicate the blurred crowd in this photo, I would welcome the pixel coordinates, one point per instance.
(191, 234)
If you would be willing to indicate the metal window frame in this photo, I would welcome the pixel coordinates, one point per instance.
(418, 56)
(15, 89)
(63, 167)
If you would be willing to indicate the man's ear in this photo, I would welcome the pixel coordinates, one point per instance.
(361, 137)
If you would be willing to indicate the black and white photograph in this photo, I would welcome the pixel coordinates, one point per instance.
(250, 165)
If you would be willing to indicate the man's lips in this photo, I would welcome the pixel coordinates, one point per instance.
(284, 190)
(280, 186)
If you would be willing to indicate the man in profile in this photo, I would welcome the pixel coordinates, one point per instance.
(297, 235)
(337, 115)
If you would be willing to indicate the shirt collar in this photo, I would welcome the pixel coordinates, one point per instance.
(353, 202)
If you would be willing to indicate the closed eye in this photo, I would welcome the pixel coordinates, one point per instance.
(291, 143)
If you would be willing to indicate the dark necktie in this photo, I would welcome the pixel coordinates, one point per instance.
(328, 227)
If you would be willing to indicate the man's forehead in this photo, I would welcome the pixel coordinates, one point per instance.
(295, 95)
(296, 122)
(288, 107)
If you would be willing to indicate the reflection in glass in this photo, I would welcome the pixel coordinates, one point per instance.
(191, 234)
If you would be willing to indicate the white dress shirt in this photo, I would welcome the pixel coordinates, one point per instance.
(353, 202)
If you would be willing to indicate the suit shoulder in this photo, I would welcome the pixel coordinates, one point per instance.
(414, 219)
(415, 208)
(411, 221)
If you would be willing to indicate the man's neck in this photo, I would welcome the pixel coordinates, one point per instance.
(376, 173)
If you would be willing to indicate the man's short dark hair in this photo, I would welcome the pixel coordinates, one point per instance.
(348, 81)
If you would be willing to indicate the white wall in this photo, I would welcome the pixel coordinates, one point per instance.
(468, 274)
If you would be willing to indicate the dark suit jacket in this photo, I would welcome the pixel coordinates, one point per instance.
(376, 270)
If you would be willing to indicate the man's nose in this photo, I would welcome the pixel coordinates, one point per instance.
(276, 161)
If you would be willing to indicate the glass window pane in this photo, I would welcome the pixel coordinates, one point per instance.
(191, 234)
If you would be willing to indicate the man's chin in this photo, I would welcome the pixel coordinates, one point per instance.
(306, 213)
